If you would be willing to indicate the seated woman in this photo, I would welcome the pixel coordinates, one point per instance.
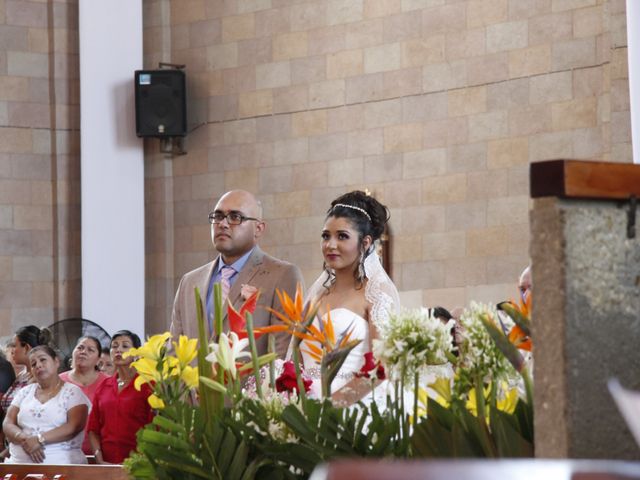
(85, 373)
(119, 410)
(45, 421)
(18, 349)
(23, 341)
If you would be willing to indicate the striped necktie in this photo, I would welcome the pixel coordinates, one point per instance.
(226, 272)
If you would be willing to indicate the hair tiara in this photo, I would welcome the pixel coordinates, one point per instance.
(353, 207)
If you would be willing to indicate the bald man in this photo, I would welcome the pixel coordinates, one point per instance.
(236, 226)
(525, 284)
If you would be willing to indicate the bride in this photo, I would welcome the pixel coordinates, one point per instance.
(353, 285)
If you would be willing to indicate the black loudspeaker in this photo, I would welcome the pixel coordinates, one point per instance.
(161, 103)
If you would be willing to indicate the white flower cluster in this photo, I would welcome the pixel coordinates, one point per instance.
(411, 341)
(273, 402)
(479, 354)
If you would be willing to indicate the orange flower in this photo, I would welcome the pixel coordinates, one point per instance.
(520, 339)
(296, 313)
(517, 336)
(326, 337)
(238, 323)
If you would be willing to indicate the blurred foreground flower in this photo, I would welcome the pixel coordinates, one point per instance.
(288, 381)
(170, 377)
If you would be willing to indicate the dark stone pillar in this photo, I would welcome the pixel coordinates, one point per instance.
(586, 316)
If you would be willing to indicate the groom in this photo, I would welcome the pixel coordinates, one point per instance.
(241, 267)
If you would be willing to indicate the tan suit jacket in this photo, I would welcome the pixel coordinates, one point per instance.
(261, 271)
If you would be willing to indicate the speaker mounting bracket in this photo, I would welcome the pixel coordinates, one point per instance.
(173, 145)
(177, 66)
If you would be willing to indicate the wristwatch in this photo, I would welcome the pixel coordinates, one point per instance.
(40, 439)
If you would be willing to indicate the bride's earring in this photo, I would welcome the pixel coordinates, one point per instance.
(360, 275)
(331, 277)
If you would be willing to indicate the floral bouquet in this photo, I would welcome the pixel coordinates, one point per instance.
(487, 410)
(242, 415)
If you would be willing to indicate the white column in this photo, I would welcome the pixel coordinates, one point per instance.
(633, 53)
(112, 164)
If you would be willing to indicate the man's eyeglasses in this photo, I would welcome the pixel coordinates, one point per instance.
(233, 218)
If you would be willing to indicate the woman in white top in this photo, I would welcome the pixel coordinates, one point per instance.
(45, 421)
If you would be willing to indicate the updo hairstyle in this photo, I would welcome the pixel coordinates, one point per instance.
(370, 223)
(33, 336)
(368, 216)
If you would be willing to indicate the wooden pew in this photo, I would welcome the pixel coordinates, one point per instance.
(65, 472)
(506, 469)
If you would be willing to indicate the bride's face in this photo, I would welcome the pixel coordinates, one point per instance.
(340, 244)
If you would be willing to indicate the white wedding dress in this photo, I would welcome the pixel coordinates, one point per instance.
(343, 320)
(382, 295)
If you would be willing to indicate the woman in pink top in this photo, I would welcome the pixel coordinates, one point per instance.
(85, 374)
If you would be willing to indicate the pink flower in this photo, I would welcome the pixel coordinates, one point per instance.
(246, 291)
(288, 382)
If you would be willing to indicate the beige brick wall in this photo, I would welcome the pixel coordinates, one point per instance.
(39, 163)
(435, 106)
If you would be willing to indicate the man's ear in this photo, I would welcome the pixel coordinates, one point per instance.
(260, 229)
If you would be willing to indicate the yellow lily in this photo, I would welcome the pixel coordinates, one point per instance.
(442, 386)
(505, 404)
(508, 403)
(186, 350)
(189, 376)
(152, 348)
(155, 402)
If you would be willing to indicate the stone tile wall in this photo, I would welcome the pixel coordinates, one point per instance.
(435, 106)
(39, 163)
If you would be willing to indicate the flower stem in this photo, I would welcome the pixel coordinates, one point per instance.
(254, 354)
(296, 363)
(416, 384)
(272, 364)
(217, 309)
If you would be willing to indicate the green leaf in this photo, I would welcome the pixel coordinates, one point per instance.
(167, 424)
(238, 463)
(225, 453)
(164, 439)
(502, 342)
(509, 441)
(432, 439)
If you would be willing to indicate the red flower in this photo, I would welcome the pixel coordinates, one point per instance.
(369, 365)
(288, 382)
